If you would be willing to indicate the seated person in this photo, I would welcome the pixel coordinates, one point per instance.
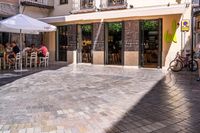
(8, 48)
(42, 51)
(33, 48)
(26, 49)
(15, 50)
(2, 50)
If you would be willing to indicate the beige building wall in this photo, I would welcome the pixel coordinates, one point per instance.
(143, 3)
(131, 58)
(61, 9)
(50, 41)
(173, 38)
(34, 12)
(98, 57)
(183, 39)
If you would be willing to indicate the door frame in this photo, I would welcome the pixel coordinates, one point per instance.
(57, 50)
(79, 42)
(106, 43)
(141, 41)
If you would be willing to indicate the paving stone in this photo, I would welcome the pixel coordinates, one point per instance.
(100, 99)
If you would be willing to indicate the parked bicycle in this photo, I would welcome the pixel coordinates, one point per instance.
(180, 62)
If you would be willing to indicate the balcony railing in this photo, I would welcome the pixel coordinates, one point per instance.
(38, 3)
(117, 2)
(113, 4)
(83, 6)
(87, 4)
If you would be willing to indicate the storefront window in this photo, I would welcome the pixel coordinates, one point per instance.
(87, 4)
(34, 39)
(4, 37)
(86, 43)
(114, 48)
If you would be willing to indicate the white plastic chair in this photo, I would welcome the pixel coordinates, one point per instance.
(44, 60)
(31, 60)
(17, 60)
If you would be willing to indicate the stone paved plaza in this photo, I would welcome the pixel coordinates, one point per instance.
(99, 99)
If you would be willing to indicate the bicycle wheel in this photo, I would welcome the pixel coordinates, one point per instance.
(195, 65)
(176, 65)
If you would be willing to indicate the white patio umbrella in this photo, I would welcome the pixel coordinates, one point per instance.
(21, 23)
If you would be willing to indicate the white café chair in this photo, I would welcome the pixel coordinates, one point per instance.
(18, 60)
(31, 60)
(44, 60)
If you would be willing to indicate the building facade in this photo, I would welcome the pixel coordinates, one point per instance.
(7, 8)
(114, 32)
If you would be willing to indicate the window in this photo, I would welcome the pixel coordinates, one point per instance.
(115, 2)
(33, 39)
(87, 4)
(63, 2)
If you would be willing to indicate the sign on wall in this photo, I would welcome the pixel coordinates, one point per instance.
(185, 25)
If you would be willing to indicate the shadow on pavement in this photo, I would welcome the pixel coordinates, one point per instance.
(8, 76)
(171, 106)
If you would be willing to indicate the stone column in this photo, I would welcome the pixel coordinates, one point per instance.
(98, 43)
(131, 43)
(72, 43)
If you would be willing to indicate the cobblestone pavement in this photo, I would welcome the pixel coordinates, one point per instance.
(98, 99)
(7, 76)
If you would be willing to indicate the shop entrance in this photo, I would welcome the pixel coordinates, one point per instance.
(151, 43)
(113, 46)
(85, 44)
(62, 43)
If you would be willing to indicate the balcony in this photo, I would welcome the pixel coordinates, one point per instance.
(116, 2)
(87, 4)
(48, 4)
(83, 6)
(113, 5)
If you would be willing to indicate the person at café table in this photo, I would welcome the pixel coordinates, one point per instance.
(8, 50)
(42, 51)
(26, 49)
(33, 48)
(15, 50)
(2, 51)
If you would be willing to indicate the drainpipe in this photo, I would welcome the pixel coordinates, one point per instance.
(192, 37)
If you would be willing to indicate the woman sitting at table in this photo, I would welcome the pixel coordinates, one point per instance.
(42, 51)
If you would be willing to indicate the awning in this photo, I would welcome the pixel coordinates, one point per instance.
(135, 12)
